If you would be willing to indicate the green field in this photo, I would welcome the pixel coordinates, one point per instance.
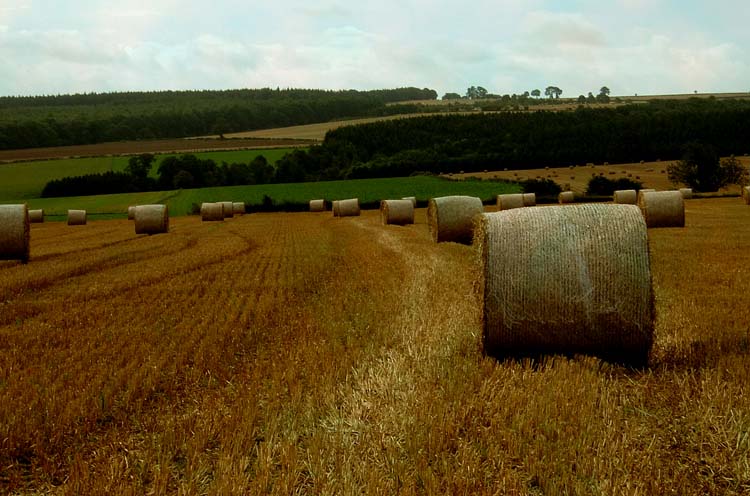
(180, 202)
(23, 180)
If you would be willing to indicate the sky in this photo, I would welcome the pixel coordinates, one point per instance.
(506, 46)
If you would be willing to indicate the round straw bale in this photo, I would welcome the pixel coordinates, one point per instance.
(687, 193)
(566, 197)
(36, 216)
(212, 211)
(317, 205)
(349, 208)
(151, 219)
(131, 212)
(641, 192)
(238, 208)
(76, 217)
(568, 280)
(451, 218)
(529, 199)
(400, 212)
(626, 196)
(746, 194)
(663, 208)
(413, 199)
(513, 200)
(14, 232)
(335, 208)
(228, 209)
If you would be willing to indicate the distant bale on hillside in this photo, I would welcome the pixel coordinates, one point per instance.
(451, 218)
(317, 205)
(399, 212)
(582, 286)
(663, 208)
(76, 217)
(14, 232)
(151, 219)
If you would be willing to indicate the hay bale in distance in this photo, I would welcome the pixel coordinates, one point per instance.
(14, 232)
(399, 212)
(335, 208)
(687, 193)
(228, 209)
(566, 197)
(349, 208)
(131, 212)
(573, 279)
(76, 217)
(238, 208)
(451, 218)
(413, 199)
(36, 216)
(529, 199)
(212, 212)
(626, 196)
(663, 208)
(151, 219)
(509, 201)
(317, 205)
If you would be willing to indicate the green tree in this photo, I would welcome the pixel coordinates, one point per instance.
(553, 92)
(451, 96)
(581, 99)
(140, 165)
(536, 93)
(701, 169)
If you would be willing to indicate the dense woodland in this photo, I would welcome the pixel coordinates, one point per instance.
(28, 122)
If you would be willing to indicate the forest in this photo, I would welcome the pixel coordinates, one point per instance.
(58, 120)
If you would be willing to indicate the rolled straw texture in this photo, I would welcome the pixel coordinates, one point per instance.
(507, 202)
(76, 217)
(687, 193)
(626, 196)
(451, 218)
(317, 205)
(566, 197)
(399, 212)
(335, 208)
(36, 216)
(746, 194)
(413, 200)
(131, 212)
(663, 208)
(529, 199)
(14, 232)
(573, 279)
(228, 208)
(349, 208)
(212, 212)
(151, 219)
(238, 208)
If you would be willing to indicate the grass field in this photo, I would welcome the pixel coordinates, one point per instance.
(23, 180)
(298, 353)
(180, 202)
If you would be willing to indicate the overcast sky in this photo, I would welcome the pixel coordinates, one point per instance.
(506, 46)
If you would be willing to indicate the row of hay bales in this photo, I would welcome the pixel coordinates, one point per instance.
(218, 211)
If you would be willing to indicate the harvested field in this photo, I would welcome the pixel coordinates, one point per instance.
(252, 356)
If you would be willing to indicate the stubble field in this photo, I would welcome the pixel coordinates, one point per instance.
(297, 353)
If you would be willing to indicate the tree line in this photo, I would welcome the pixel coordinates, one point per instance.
(28, 122)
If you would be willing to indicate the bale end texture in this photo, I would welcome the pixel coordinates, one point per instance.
(76, 217)
(14, 232)
(399, 212)
(451, 218)
(567, 280)
(151, 219)
(663, 208)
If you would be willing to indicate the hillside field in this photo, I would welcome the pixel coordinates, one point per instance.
(295, 353)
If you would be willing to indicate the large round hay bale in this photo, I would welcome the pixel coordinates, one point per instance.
(238, 208)
(529, 199)
(399, 212)
(228, 209)
(573, 279)
(687, 193)
(626, 196)
(76, 217)
(14, 232)
(131, 212)
(662, 208)
(36, 216)
(349, 208)
(641, 192)
(566, 197)
(451, 218)
(151, 219)
(212, 212)
(317, 205)
(335, 208)
(413, 200)
(509, 201)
